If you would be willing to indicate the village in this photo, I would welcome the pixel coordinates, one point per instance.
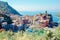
(25, 22)
(29, 20)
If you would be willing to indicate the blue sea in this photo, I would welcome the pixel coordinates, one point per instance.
(55, 18)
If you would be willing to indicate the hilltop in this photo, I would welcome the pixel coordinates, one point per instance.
(6, 8)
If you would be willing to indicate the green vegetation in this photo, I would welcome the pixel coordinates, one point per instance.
(6, 18)
(41, 34)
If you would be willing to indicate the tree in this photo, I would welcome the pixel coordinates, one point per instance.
(6, 18)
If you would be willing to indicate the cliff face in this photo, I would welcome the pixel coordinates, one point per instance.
(6, 8)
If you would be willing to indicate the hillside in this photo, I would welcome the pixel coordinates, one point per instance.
(6, 8)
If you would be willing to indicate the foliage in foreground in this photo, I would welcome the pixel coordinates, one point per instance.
(42, 34)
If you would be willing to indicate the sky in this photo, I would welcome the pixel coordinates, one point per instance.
(34, 5)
